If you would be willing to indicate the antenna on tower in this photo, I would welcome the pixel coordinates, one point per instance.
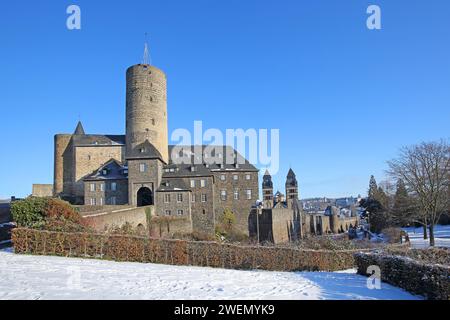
(146, 59)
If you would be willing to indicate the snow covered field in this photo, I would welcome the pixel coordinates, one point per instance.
(42, 277)
(441, 233)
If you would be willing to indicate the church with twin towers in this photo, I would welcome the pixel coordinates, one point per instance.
(140, 168)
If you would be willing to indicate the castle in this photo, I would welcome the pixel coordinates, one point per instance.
(140, 169)
(117, 179)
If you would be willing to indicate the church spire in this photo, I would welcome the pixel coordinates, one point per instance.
(79, 129)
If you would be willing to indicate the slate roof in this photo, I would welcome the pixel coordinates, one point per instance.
(172, 185)
(217, 158)
(267, 180)
(145, 150)
(79, 129)
(291, 180)
(98, 140)
(115, 171)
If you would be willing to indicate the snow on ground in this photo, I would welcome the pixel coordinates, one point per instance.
(44, 277)
(441, 234)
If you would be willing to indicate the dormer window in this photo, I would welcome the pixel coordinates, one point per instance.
(104, 172)
(125, 171)
(193, 169)
(142, 150)
(236, 165)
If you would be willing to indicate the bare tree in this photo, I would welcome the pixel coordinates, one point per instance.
(424, 168)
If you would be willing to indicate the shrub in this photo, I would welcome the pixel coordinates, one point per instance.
(29, 212)
(46, 213)
(392, 235)
(59, 209)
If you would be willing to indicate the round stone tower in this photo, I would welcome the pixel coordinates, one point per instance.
(146, 109)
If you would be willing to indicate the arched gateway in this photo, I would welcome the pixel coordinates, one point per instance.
(144, 197)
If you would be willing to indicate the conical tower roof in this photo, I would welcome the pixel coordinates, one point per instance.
(79, 129)
(291, 180)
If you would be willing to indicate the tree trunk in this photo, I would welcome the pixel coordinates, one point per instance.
(431, 235)
(425, 235)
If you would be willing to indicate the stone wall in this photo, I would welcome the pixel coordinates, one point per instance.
(430, 280)
(169, 227)
(117, 218)
(105, 197)
(146, 108)
(61, 142)
(278, 225)
(88, 159)
(42, 190)
(241, 206)
(203, 214)
(151, 178)
(173, 205)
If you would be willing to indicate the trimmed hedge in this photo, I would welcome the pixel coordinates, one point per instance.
(178, 252)
(429, 280)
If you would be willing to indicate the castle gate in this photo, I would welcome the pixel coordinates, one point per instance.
(144, 197)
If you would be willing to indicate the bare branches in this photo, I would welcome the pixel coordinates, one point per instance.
(425, 170)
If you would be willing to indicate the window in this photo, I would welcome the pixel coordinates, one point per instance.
(125, 171)
(203, 197)
(101, 201)
(93, 202)
(92, 187)
(168, 213)
(203, 183)
(104, 172)
(193, 198)
(223, 195)
(113, 186)
(102, 187)
(142, 150)
(248, 177)
(180, 212)
(223, 177)
(192, 183)
(235, 177)
(166, 198)
(249, 194)
(142, 167)
(179, 197)
(113, 201)
(236, 194)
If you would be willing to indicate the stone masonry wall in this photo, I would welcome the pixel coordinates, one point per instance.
(117, 218)
(42, 190)
(241, 207)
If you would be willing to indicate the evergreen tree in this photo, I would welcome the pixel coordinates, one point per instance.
(374, 207)
(403, 209)
(373, 188)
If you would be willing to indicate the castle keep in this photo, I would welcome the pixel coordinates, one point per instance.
(140, 169)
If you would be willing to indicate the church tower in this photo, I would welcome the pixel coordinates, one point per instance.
(267, 189)
(291, 188)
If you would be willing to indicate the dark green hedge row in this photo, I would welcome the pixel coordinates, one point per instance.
(178, 252)
(429, 280)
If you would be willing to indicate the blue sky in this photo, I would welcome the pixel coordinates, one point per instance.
(344, 98)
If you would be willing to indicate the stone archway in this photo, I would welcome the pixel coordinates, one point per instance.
(144, 197)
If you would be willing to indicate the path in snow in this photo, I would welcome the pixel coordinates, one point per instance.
(44, 277)
(441, 234)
